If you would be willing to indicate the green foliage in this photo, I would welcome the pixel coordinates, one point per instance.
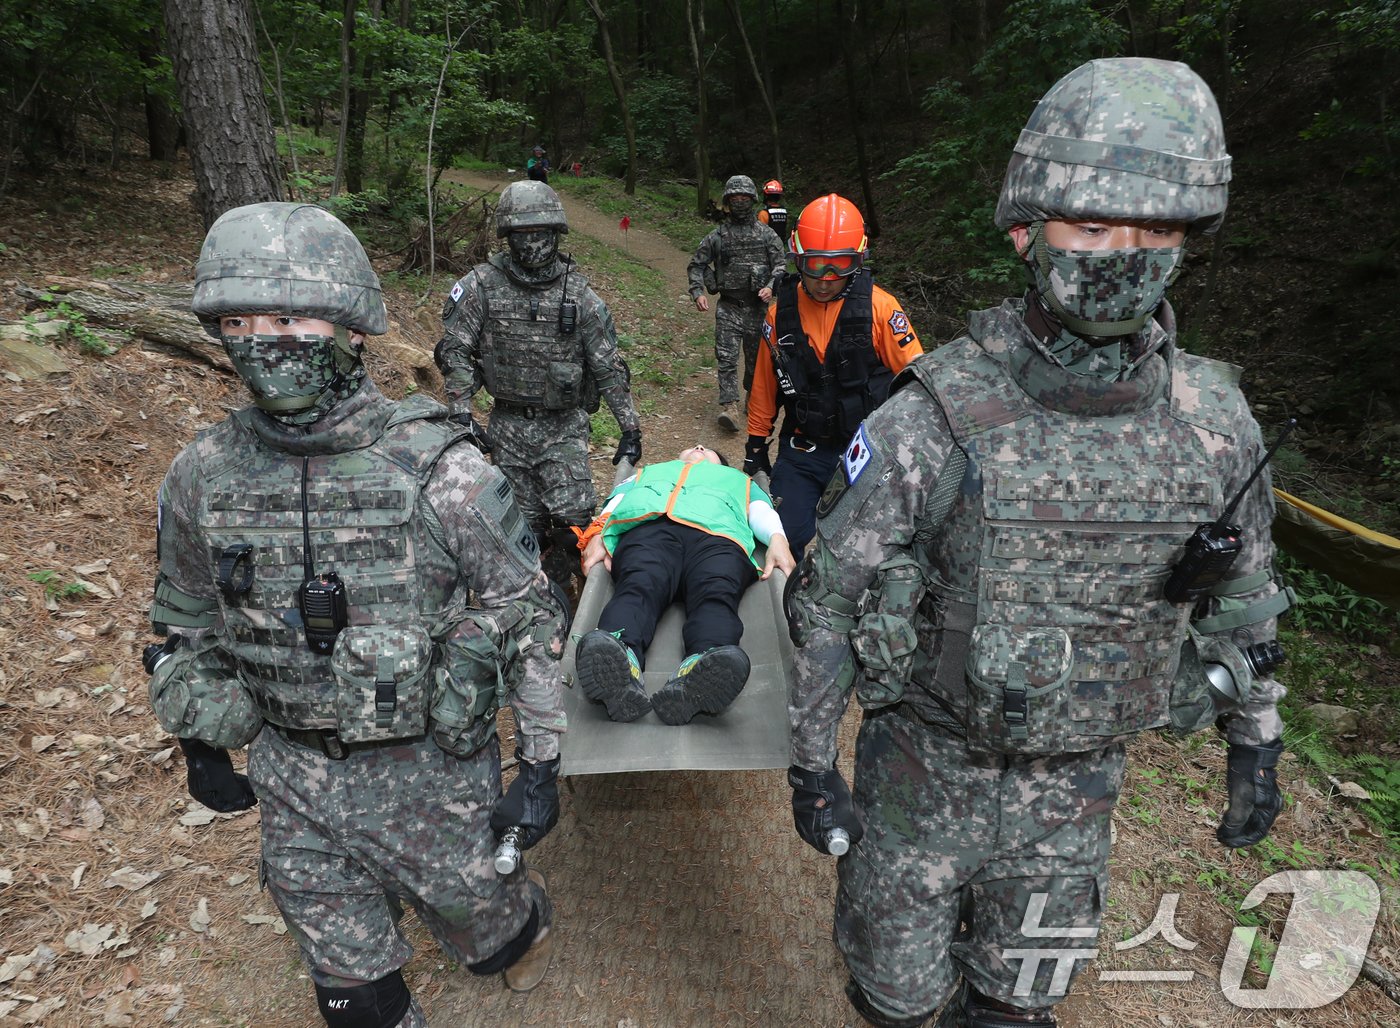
(1324, 604)
(975, 124)
(55, 588)
(1366, 134)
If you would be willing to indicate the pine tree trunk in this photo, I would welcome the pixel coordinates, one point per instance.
(629, 129)
(232, 146)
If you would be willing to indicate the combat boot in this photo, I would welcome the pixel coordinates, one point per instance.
(609, 673)
(705, 683)
(729, 416)
(529, 970)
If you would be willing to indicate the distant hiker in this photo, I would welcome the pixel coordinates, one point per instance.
(348, 590)
(685, 530)
(833, 342)
(526, 325)
(774, 213)
(1019, 569)
(537, 166)
(741, 261)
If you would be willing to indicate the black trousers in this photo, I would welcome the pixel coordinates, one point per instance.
(662, 561)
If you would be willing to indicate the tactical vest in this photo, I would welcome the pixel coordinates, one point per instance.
(1045, 630)
(778, 221)
(527, 357)
(831, 396)
(359, 510)
(742, 264)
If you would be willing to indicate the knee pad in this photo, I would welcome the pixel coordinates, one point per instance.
(867, 1009)
(377, 1004)
(511, 951)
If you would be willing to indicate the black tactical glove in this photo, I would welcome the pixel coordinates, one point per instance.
(1255, 801)
(476, 435)
(821, 802)
(212, 779)
(629, 447)
(532, 802)
(756, 456)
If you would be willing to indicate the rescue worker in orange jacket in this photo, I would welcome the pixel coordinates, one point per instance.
(832, 343)
(774, 213)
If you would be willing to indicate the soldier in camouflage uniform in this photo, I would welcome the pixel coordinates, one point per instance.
(742, 261)
(526, 325)
(991, 577)
(349, 590)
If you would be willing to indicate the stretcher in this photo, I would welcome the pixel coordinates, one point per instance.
(751, 734)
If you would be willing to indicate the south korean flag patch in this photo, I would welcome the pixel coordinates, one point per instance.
(457, 291)
(857, 455)
(853, 461)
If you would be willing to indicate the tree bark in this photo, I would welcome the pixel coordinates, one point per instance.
(162, 126)
(347, 60)
(696, 34)
(615, 76)
(763, 94)
(232, 146)
(845, 30)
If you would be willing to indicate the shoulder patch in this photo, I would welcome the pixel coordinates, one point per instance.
(857, 455)
(853, 462)
(457, 291)
(899, 323)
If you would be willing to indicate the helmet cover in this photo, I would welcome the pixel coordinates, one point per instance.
(286, 258)
(529, 204)
(1125, 138)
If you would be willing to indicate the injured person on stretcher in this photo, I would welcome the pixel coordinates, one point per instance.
(684, 530)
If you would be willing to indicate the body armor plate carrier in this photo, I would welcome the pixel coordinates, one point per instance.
(1046, 631)
(526, 356)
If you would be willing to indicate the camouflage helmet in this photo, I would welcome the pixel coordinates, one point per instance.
(529, 204)
(1127, 138)
(740, 185)
(286, 258)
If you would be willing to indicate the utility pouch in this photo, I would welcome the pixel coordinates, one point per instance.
(206, 703)
(563, 386)
(382, 679)
(884, 645)
(711, 280)
(592, 395)
(884, 640)
(467, 691)
(1190, 708)
(1017, 700)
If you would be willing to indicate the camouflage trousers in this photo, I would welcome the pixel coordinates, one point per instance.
(545, 460)
(1014, 848)
(737, 330)
(345, 843)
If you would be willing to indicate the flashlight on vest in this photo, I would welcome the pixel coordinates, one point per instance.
(1262, 659)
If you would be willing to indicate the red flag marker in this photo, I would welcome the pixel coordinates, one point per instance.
(625, 223)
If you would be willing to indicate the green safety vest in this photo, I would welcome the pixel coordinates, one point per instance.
(711, 497)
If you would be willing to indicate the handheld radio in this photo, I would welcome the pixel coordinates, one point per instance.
(1212, 549)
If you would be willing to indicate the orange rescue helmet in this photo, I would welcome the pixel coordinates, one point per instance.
(772, 188)
(829, 241)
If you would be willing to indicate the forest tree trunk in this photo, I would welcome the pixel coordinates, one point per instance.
(630, 186)
(232, 147)
(695, 28)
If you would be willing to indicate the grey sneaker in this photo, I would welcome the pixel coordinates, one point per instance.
(705, 683)
(609, 674)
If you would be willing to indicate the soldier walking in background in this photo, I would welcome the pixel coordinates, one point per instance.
(741, 260)
(526, 325)
(349, 590)
(1006, 571)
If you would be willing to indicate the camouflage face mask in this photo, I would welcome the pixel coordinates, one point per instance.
(290, 375)
(1101, 292)
(741, 206)
(533, 248)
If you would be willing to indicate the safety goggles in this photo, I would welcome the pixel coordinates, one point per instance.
(829, 263)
